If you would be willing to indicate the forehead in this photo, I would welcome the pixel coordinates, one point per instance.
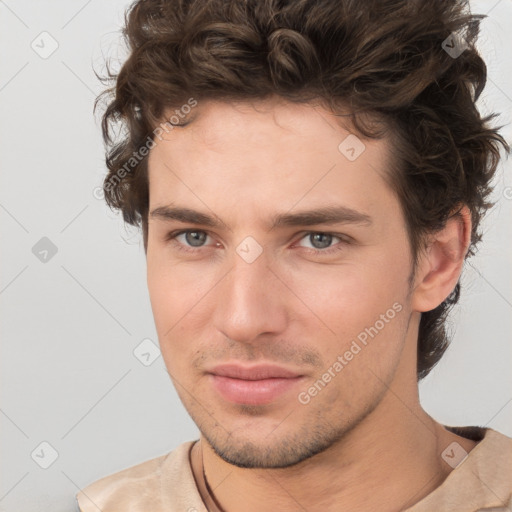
(267, 155)
(216, 123)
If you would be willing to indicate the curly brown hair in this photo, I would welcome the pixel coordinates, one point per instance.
(389, 59)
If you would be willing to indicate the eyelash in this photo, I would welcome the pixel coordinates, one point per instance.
(171, 237)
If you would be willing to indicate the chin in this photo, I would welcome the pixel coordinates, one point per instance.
(272, 452)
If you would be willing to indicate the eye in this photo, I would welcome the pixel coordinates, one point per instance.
(323, 242)
(193, 238)
(317, 242)
(188, 240)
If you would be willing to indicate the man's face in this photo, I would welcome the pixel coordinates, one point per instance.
(329, 302)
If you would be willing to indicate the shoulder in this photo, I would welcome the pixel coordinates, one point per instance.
(163, 483)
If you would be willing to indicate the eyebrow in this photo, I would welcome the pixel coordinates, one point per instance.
(186, 215)
(324, 215)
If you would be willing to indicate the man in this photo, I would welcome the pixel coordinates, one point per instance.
(309, 176)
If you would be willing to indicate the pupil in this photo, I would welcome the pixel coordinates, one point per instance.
(195, 238)
(320, 240)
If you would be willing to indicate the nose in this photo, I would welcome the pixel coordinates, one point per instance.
(250, 301)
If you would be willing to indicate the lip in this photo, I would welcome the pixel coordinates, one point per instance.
(254, 385)
(256, 372)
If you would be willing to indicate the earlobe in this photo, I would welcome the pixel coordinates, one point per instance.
(441, 264)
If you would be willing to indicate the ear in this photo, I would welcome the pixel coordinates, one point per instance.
(440, 265)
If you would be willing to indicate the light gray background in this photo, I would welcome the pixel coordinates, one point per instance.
(70, 325)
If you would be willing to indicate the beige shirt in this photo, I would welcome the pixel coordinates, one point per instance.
(481, 482)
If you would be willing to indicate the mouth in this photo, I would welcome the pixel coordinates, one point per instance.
(256, 385)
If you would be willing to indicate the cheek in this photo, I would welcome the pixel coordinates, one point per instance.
(168, 294)
(173, 287)
(178, 301)
(363, 330)
(352, 295)
(359, 312)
